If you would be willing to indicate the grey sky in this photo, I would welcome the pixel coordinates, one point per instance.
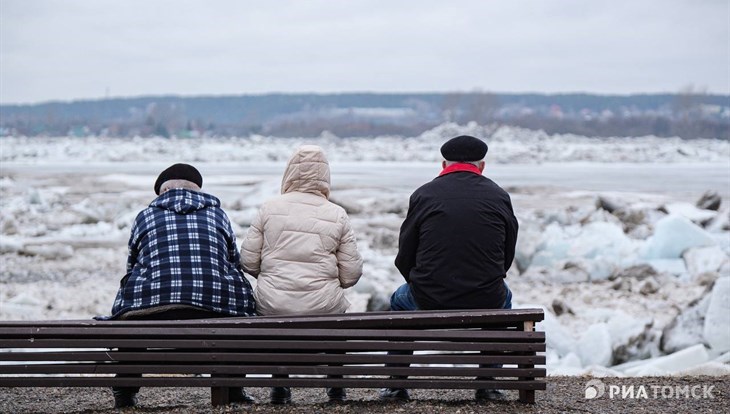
(80, 49)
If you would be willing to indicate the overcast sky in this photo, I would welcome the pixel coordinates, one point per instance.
(89, 49)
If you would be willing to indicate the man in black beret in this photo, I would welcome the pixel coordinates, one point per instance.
(456, 243)
(183, 263)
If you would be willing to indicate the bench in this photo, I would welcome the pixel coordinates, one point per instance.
(445, 350)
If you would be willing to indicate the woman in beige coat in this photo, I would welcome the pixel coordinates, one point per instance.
(301, 248)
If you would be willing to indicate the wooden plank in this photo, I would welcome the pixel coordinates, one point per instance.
(264, 345)
(165, 356)
(454, 383)
(268, 333)
(107, 368)
(420, 319)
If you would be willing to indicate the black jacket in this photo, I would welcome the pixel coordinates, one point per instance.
(457, 242)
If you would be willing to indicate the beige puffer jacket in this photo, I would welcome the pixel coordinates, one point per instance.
(301, 247)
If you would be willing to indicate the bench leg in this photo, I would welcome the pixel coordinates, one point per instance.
(219, 396)
(527, 396)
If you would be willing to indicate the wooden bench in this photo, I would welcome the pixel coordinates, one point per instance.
(448, 348)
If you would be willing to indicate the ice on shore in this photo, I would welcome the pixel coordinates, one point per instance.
(704, 259)
(691, 212)
(717, 320)
(594, 346)
(598, 248)
(577, 245)
(687, 328)
(681, 360)
(672, 236)
(557, 338)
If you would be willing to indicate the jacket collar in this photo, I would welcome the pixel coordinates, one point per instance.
(461, 167)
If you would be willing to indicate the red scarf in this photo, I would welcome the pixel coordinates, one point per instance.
(461, 167)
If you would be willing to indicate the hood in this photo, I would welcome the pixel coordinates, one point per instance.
(307, 172)
(183, 201)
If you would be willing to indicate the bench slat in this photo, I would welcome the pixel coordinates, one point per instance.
(420, 319)
(107, 368)
(468, 383)
(273, 346)
(268, 333)
(212, 356)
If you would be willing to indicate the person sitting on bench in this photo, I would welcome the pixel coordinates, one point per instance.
(183, 263)
(456, 243)
(302, 250)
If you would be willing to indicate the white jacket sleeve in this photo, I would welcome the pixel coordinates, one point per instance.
(349, 261)
(251, 247)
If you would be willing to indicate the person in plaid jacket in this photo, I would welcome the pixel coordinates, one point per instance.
(183, 263)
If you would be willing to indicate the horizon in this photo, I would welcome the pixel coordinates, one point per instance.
(385, 93)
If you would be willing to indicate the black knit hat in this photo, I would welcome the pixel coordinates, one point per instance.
(179, 172)
(464, 148)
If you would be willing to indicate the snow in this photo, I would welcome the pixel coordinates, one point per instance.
(67, 205)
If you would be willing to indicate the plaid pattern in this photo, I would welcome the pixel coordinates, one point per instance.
(183, 251)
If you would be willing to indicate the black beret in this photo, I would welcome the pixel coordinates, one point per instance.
(179, 172)
(464, 148)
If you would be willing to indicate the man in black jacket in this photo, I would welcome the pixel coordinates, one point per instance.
(457, 241)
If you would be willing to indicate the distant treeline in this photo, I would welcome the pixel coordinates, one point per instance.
(687, 115)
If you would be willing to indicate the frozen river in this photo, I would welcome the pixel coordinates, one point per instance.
(680, 180)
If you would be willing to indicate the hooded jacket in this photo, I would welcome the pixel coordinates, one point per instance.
(182, 250)
(301, 247)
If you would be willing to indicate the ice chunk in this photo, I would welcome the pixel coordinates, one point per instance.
(691, 212)
(55, 251)
(687, 328)
(594, 346)
(571, 360)
(720, 222)
(358, 301)
(557, 338)
(717, 319)
(674, 266)
(599, 239)
(601, 372)
(24, 299)
(527, 243)
(704, 259)
(563, 371)
(10, 244)
(554, 246)
(676, 362)
(598, 249)
(712, 368)
(631, 338)
(673, 235)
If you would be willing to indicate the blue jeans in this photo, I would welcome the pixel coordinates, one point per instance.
(402, 299)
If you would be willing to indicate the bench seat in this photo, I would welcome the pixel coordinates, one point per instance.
(438, 350)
